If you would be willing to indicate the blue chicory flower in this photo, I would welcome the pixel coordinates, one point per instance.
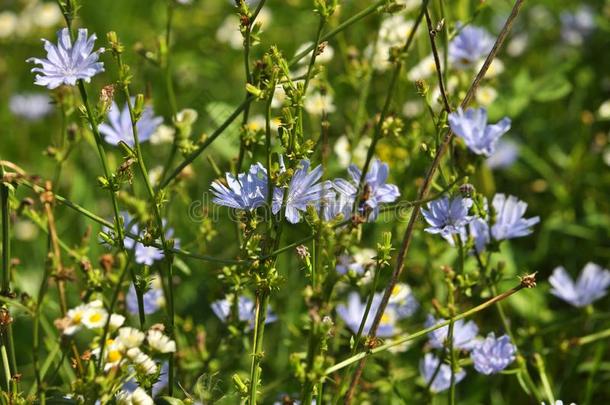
(590, 286)
(471, 46)
(506, 153)
(153, 299)
(31, 106)
(246, 192)
(472, 127)
(357, 263)
(402, 306)
(491, 355)
(68, 62)
(403, 300)
(376, 190)
(353, 311)
(303, 190)
(442, 380)
(464, 334)
(447, 217)
(245, 310)
(509, 221)
(119, 128)
(577, 26)
(143, 254)
(479, 231)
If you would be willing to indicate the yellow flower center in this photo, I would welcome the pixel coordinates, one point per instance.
(76, 319)
(385, 318)
(114, 356)
(96, 317)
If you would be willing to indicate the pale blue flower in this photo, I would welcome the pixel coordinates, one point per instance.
(246, 192)
(31, 106)
(464, 334)
(509, 221)
(447, 217)
(577, 26)
(246, 310)
(403, 300)
(442, 380)
(479, 231)
(347, 263)
(143, 254)
(376, 190)
(590, 286)
(491, 355)
(353, 311)
(66, 62)
(153, 299)
(506, 153)
(472, 127)
(118, 128)
(471, 46)
(304, 190)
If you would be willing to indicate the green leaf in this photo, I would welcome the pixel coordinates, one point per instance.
(550, 88)
(182, 266)
(168, 401)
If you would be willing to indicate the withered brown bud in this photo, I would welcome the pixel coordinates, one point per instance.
(106, 262)
(85, 265)
(529, 280)
(5, 318)
(302, 252)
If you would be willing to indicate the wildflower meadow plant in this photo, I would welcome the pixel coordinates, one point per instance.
(309, 202)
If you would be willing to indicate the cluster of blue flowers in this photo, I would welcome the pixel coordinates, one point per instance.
(490, 355)
(248, 191)
(450, 218)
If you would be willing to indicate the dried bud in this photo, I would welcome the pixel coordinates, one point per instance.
(302, 252)
(528, 280)
(106, 262)
(5, 318)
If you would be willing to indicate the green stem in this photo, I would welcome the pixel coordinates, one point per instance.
(592, 337)
(169, 84)
(103, 158)
(548, 391)
(6, 242)
(5, 364)
(262, 304)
